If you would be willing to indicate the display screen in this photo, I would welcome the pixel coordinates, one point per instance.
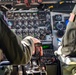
(47, 46)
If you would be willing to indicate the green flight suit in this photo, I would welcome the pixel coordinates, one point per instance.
(69, 38)
(11, 45)
(69, 46)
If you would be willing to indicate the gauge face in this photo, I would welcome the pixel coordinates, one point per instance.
(28, 23)
(23, 32)
(18, 32)
(22, 14)
(16, 14)
(58, 17)
(17, 26)
(59, 25)
(23, 26)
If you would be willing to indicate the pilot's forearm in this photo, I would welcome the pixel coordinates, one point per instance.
(12, 46)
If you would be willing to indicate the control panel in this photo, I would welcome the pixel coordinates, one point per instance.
(32, 23)
(48, 53)
(59, 23)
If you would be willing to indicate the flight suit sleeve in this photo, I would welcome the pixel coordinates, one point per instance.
(13, 48)
(69, 40)
(28, 47)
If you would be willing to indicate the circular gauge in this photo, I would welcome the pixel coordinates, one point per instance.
(28, 14)
(23, 31)
(34, 14)
(59, 26)
(42, 31)
(35, 26)
(23, 26)
(18, 31)
(31, 32)
(29, 26)
(22, 14)
(36, 30)
(58, 17)
(16, 14)
(20, 23)
(17, 26)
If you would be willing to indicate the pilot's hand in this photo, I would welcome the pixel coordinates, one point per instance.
(37, 47)
(36, 44)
